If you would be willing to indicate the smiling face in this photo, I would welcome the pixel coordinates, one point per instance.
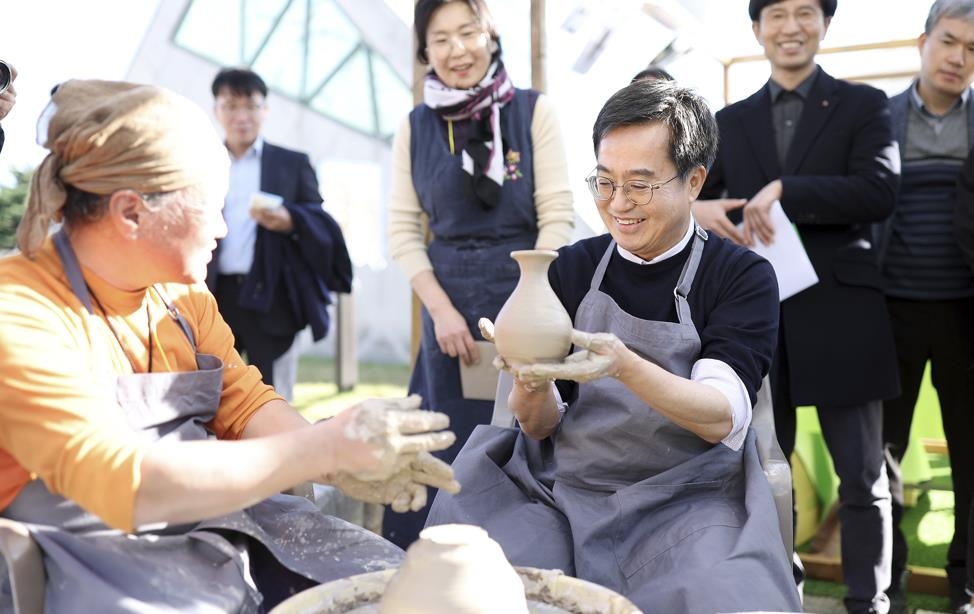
(790, 32)
(947, 58)
(458, 47)
(641, 153)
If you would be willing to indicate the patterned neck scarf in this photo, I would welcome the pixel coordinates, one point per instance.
(483, 155)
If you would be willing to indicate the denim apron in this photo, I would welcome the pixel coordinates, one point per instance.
(621, 496)
(283, 542)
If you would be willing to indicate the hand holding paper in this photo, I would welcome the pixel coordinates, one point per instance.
(787, 255)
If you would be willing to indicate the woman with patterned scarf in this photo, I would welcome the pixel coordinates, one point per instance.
(485, 162)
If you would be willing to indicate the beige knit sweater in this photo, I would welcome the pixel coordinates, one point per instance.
(552, 195)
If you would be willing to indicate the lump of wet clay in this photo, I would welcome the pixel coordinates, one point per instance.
(454, 569)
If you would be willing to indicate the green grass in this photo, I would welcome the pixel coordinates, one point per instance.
(316, 394)
(928, 526)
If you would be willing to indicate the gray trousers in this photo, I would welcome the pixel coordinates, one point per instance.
(286, 372)
(854, 436)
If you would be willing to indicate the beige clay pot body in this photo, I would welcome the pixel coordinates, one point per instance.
(454, 569)
(533, 326)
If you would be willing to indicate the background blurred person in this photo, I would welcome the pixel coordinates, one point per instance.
(823, 149)
(486, 163)
(929, 287)
(283, 255)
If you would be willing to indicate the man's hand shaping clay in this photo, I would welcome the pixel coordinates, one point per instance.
(602, 354)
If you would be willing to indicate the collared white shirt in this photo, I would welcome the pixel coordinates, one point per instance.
(237, 248)
(715, 373)
(938, 122)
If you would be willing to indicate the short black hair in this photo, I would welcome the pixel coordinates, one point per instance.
(240, 82)
(692, 127)
(423, 13)
(755, 7)
(652, 72)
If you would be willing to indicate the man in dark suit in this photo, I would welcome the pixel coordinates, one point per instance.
(283, 254)
(824, 149)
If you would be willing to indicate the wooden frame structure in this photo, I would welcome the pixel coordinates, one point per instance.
(878, 46)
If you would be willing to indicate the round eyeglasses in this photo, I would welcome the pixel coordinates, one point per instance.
(637, 191)
(469, 39)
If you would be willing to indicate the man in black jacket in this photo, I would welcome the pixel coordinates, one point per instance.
(823, 148)
(283, 255)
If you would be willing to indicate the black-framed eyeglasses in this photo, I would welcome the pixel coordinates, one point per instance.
(637, 191)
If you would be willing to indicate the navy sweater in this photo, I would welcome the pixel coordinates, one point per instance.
(733, 300)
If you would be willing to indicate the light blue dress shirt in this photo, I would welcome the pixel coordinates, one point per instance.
(237, 248)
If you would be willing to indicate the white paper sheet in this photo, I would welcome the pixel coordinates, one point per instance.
(479, 381)
(786, 255)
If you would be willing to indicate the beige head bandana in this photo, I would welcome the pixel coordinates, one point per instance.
(106, 136)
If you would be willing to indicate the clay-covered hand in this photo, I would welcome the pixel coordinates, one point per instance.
(530, 384)
(406, 489)
(601, 355)
(486, 329)
(382, 436)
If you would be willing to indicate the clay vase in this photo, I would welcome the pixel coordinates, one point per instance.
(454, 569)
(533, 326)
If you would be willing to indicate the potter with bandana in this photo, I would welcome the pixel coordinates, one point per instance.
(140, 452)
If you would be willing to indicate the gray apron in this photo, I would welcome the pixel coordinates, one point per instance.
(623, 497)
(283, 544)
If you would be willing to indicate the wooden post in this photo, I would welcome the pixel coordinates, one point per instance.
(419, 71)
(538, 53)
(346, 351)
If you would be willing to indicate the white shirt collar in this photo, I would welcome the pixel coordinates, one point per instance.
(920, 105)
(256, 150)
(676, 249)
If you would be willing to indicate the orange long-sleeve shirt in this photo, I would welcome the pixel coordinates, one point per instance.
(59, 421)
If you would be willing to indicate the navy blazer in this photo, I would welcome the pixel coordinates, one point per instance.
(840, 176)
(296, 271)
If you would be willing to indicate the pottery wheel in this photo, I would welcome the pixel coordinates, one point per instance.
(547, 592)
